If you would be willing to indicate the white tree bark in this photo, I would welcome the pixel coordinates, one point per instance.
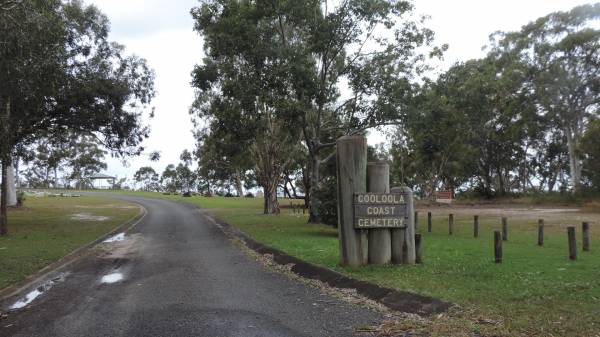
(12, 188)
(574, 160)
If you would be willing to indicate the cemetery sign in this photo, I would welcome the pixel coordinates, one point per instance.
(380, 210)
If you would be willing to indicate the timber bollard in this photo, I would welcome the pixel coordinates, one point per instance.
(497, 247)
(380, 239)
(585, 229)
(572, 243)
(418, 241)
(429, 222)
(476, 226)
(450, 224)
(540, 232)
(352, 178)
(504, 229)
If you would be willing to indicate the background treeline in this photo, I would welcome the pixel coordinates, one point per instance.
(281, 81)
(522, 119)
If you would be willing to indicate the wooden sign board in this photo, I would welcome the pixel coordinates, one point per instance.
(380, 210)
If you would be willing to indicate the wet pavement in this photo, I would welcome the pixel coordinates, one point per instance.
(176, 274)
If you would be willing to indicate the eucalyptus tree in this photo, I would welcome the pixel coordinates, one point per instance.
(86, 159)
(372, 51)
(243, 87)
(563, 48)
(148, 177)
(301, 55)
(59, 72)
(591, 153)
(184, 174)
(169, 179)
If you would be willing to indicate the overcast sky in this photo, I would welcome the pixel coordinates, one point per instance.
(161, 31)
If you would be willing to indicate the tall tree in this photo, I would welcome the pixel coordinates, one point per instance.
(85, 160)
(242, 86)
(148, 177)
(169, 179)
(309, 49)
(564, 50)
(58, 71)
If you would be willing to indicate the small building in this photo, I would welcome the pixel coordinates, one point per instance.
(102, 181)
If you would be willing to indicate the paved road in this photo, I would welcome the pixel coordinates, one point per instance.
(181, 277)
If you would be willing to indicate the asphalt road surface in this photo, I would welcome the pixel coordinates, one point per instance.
(177, 274)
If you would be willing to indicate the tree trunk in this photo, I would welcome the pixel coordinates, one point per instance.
(314, 202)
(4, 198)
(16, 166)
(574, 162)
(271, 204)
(5, 160)
(238, 184)
(286, 192)
(294, 192)
(306, 185)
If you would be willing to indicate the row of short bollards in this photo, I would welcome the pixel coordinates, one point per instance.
(500, 236)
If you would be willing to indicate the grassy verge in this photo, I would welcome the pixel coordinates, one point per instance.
(46, 229)
(537, 291)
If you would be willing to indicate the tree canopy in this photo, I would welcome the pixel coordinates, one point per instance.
(59, 72)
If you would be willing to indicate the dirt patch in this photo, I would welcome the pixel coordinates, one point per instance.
(551, 215)
(107, 206)
(89, 217)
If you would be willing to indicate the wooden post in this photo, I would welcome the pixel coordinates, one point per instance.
(450, 223)
(540, 232)
(416, 221)
(504, 229)
(352, 178)
(585, 230)
(429, 225)
(403, 240)
(497, 247)
(418, 241)
(380, 239)
(572, 243)
(476, 226)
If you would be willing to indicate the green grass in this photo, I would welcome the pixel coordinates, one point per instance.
(536, 291)
(43, 231)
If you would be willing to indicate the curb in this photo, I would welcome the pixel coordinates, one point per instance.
(68, 259)
(394, 299)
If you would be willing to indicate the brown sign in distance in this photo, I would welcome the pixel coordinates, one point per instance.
(380, 210)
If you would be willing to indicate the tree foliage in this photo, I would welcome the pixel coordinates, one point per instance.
(59, 72)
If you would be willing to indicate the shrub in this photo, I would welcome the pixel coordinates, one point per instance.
(249, 195)
(21, 198)
(327, 195)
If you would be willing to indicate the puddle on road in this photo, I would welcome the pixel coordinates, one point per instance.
(117, 238)
(25, 301)
(32, 295)
(112, 278)
(89, 217)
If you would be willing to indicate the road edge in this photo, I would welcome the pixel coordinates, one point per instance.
(394, 299)
(68, 259)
